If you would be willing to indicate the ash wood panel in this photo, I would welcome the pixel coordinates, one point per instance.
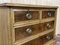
(45, 39)
(22, 41)
(47, 20)
(48, 9)
(5, 38)
(27, 5)
(45, 14)
(51, 42)
(40, 40)
(32, 22)
(55, 22)
(0, 29)
(12, 23)
(21, 33)
(21, 15)
(37, 41)
(20, 9)
(8, 25)
(26, 23)
(46, 27)
(40, 12)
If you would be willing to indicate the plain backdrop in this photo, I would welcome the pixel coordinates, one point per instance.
(40, 2)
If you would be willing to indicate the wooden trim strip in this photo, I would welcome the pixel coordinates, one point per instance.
(51, 42)
(27, 5)
(47, 20)
(31, 22)
(26, 23)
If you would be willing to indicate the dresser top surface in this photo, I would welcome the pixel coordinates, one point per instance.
(25, 5)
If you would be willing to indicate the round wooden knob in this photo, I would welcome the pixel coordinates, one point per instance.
(49, 14)
(29, 30)
(28, 16)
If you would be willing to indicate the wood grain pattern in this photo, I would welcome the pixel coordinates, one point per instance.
(21, 15)
(27, 5)
(45, 14)
(13, 24)
(45, 40)
(37, 41)
(22, 41)
(41, 40)
(48, 25)
(21, 32)
(47, 20)
(51, 42)
(5, 38)
(26, 23)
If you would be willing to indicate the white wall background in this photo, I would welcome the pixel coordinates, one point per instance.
(40, 2)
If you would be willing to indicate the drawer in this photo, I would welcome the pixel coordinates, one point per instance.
(24, 15)
(48, 14)
(41, 40)
(48, 25)
(52, 42)
(37, 41)
(26, 31)
(47, 37)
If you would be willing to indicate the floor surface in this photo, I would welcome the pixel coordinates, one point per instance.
(57, 40)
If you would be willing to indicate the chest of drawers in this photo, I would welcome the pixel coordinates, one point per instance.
(27, 24)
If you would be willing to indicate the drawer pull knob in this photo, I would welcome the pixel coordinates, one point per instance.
(29, 30)
(48, 37)
(28, 16)
(48, 25)
(49, 14)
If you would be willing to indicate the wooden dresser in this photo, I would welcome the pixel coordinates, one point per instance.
(22, 24)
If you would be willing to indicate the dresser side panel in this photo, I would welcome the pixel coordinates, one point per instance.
(5, 26)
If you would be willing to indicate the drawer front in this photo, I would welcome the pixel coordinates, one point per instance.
(48, 25)
(41, 40)
(25, 15)
(52, 42)
(26, 31)
(37, 41)
(47, 37)
(47, 14)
